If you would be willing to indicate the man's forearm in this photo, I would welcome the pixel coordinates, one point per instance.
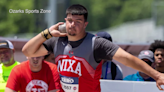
(32, 46)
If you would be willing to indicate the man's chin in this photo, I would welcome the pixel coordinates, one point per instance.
(71, 34)
(160, 66)
(160, 69)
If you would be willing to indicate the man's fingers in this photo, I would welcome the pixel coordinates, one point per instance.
(55, 27)
(63, 34)
(159, 87)
(56, 33)
(60, 23)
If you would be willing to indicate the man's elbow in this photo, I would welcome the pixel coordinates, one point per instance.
(25, 52)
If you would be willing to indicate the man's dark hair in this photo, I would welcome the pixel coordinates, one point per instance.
(46, 56)
(77, 9)
(156, 45)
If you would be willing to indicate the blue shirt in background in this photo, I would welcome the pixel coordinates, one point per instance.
(137, 77)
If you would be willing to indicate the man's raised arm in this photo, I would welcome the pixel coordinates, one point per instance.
(34, 47)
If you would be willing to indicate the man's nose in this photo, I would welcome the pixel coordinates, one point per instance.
(159, 56)
(73, 24)
(35, 58)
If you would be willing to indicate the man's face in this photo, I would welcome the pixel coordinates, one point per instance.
(6, 56)
(35, 62)
(75, 24)
(159, 59)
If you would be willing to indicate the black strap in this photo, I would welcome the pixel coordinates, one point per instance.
(113, 70)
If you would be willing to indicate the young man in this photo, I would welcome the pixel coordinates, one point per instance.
(7, 62)
(78, 54)
(148, 57)
(158, 48)
(110, 70)
(34, 75)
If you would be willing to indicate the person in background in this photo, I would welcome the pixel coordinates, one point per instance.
(50, 58)
(148, 57)
(7, 62)
(158, 48)
(110, 70)
(34, 75)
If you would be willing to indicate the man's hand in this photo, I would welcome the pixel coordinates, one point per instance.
(160, 81)
(54, 30)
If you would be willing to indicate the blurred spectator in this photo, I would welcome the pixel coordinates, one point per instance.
(50, 58)
(148, 57)
(110, 70)
(158, 48)
(34, 75)
(7, 62)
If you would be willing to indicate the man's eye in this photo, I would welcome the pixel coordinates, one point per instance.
(78, 21)
(158, 54)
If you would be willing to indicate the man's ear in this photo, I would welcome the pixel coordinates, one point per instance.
(85, 24)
